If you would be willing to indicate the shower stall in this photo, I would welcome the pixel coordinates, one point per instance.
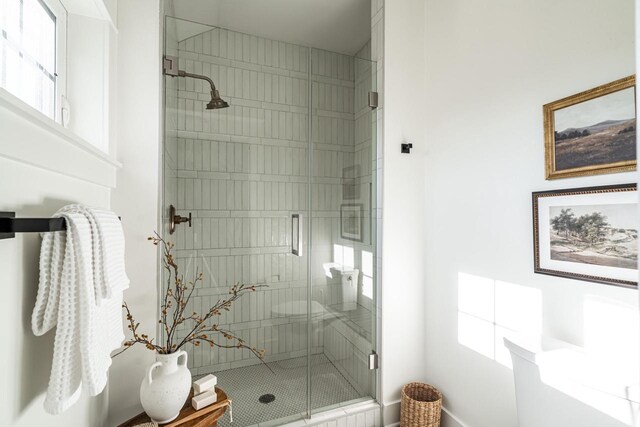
(277, 189)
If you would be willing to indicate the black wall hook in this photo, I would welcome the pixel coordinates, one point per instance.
(406, 148)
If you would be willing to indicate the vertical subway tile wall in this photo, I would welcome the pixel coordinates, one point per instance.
(244, 170)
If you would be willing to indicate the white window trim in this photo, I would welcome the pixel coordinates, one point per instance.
(64, 152)
(60, 13)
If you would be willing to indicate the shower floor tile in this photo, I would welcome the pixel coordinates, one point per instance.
(288, 384)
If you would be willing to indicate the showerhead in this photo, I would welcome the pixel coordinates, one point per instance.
(216, 102)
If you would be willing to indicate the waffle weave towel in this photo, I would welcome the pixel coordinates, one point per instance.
(80, 292)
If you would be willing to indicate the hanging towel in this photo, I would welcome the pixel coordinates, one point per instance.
(80, 292)
(108, 251)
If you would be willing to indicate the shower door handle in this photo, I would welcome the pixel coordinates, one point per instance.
(296, 235)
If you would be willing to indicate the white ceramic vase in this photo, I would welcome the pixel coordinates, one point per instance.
(166, 387)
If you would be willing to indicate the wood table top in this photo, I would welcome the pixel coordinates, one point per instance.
(189, 417)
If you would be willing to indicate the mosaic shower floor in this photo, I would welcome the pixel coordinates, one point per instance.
(244, 386)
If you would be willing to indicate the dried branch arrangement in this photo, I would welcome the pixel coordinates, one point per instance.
(201, 329)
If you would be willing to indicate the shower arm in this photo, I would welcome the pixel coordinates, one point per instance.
(198, 76)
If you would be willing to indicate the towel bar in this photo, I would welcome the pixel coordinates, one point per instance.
(9, 225)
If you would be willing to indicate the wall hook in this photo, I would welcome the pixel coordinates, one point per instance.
(406, 148)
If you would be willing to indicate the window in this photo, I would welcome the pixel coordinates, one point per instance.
(32, 45)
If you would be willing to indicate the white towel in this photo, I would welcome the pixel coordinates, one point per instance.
(78, 268)
(108, 251)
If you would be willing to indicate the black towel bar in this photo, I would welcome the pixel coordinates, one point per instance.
(9, 225)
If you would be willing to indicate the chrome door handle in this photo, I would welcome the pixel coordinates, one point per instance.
(296, 236)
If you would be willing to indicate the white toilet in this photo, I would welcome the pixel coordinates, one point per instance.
(559, 385)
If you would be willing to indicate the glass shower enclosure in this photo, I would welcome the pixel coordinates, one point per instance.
(281, 191)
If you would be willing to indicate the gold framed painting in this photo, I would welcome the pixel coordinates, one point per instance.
(592, 132)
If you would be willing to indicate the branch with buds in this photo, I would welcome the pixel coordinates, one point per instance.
(201, 329)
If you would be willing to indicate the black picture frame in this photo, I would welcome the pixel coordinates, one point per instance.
(576, 253)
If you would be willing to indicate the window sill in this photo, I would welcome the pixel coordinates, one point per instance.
(29, 137)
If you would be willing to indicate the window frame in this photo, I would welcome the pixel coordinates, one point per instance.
(60, 14)
(57, 11)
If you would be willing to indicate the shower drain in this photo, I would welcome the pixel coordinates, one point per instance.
(266, 398)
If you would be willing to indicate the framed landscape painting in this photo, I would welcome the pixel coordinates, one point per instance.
(593, 132)
(588, 234)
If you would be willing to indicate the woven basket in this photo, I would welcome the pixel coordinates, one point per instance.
(421, 405)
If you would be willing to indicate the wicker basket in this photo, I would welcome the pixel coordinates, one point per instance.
(421, 405)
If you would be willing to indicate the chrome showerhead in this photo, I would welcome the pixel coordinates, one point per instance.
(216, 102)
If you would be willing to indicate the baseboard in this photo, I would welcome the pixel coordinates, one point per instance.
(450, 420)
(391, 413)
(391, 416)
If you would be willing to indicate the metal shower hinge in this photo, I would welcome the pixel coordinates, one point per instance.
(373, 100)
(170, 65)
(373, 360)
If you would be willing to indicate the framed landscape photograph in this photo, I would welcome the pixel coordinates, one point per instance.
(351, 221)
(588, 234)
(592, 132)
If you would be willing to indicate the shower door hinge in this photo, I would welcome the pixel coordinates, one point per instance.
(373, 360)
(170, 65)
(373, 100)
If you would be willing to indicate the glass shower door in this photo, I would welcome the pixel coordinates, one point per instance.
(343, 242)
(242, 174)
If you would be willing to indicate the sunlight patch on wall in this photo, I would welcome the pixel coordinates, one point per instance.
(489, 309)
(367, 274)
(343, 256)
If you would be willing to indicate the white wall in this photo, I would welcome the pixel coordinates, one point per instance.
(136, 197)
(403, 338)
(490, 68)
(41, 170)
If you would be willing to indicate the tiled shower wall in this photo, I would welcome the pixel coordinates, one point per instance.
(243, 171)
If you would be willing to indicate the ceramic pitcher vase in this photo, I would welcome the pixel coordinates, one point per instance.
(165, 387)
